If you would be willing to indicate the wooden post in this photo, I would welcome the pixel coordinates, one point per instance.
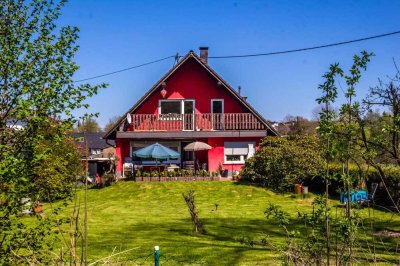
(86, 189)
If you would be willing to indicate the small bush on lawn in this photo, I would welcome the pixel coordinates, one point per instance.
(107, 179)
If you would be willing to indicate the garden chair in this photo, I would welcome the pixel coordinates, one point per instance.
(374, 188)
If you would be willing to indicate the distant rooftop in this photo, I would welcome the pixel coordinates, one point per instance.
(94, 140)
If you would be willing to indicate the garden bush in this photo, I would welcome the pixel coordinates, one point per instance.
(364, 176)
(282, 162)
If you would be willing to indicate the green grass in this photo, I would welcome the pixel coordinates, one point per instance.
(143, 215)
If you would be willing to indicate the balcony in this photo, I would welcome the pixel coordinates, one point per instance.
(197, 122)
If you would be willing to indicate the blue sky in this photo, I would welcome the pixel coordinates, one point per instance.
(119, 34)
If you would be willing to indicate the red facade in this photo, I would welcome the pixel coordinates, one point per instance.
(192, 103)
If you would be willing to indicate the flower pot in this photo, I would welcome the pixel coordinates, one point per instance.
(38, 208)
(297, 188)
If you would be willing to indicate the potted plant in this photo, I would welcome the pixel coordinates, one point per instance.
(215, 175)
(155, 176)
(189, 173)
(163, 176)
(38, 207)
(220, 169)
(146, 176)
(138, 176)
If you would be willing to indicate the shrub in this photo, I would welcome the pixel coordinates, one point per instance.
(367, 174)
(107, 179)
(282, 162)
(171, 174)
(189, 172)
(138, 173)
(392, 173)
(154, 174)
(55, 171)
(146, 174)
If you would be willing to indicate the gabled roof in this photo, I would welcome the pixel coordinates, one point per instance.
(191, 55)
(94, 140)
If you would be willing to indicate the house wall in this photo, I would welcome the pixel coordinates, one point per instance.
(192, 81)
(216, 154)
(122, 150)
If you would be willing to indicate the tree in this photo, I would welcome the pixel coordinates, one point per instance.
(300, 126)
(338, 135)
(88, 125)
(111, 122)
(383, 144)
(56, 171)
(36, 88)
(386, 95)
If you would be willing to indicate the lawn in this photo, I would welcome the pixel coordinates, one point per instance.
(142, 215)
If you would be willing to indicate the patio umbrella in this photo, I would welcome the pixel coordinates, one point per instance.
(156, 151)
(196, 146)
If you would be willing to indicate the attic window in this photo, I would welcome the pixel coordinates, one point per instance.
(170, 107)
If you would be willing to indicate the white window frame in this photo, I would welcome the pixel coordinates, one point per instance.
(217, 100)
(182, 102)
(242, 159)
(169, 100)
(193, 114)
(212, 111)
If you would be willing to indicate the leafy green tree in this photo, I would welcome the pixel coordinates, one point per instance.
(282, 162)
(339, 138)
(55, 172)
(36, 88)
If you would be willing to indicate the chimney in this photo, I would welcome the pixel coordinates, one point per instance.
(204, 54)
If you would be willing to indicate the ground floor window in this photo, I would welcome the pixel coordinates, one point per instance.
(236, 152)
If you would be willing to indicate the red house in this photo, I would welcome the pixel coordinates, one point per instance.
(192, 103)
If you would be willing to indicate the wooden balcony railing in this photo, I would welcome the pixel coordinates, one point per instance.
(197, 122)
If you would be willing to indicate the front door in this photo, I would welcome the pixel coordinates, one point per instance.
(188, 115)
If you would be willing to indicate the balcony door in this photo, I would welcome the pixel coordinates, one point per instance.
(217, 110)
(188, 115)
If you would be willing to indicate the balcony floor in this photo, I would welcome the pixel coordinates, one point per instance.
(189, 134)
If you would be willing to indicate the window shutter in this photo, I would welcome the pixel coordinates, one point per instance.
(238, 148)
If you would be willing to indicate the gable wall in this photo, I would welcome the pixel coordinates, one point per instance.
(192, 81)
